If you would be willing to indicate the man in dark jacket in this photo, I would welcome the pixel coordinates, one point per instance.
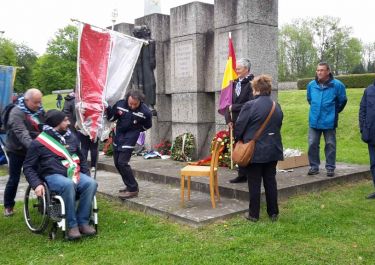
(242, 93)
(133, 117)
(22, 127)
(327, 98)
(367, 127)
(54, 157)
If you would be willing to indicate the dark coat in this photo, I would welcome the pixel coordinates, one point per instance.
(367, 115)
(21, 131)
(269, 147)
(41, 162)
(237, 102)
(69, 109)
(143, 76)
(130, 123)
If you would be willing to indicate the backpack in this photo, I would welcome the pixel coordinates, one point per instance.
(5, 116)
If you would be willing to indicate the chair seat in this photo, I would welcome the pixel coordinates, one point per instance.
(196, 171)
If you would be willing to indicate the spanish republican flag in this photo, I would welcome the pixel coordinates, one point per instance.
(229, 76)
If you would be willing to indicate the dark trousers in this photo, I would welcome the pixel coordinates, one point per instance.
(121, 159)
(15, 166)
(371, 151)
(86, 145)
(255, 174)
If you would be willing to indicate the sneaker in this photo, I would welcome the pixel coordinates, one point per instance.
(371, 196)
(87, 230)
(8, 212)
(92, 169)
(330, 172)
(313, 171)
(73, 233)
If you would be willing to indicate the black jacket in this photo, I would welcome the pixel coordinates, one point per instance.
(367, 115)
(69, 109)
(129, 123)
(21, 131)
(41, 162)
(269, 147)
(237, 102)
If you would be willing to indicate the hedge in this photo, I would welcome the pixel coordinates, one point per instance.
(352, 81)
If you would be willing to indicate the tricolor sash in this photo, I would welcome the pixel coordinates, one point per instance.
(71, 162)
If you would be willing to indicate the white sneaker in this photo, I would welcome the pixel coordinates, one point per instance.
(92, 169)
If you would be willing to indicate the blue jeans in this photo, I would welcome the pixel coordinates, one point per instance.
(85, 190)
(329, 149)
(371, 151)
(15, 166)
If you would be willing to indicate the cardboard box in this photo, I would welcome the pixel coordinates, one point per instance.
(293, 162)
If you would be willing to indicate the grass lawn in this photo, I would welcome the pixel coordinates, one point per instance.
(350, 148)
(330, 227)
(334, 226)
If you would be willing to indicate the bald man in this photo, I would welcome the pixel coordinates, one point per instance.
(22, 127)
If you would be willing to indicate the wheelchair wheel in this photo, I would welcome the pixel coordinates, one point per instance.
(36, 210)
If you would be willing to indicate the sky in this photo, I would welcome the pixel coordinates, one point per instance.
(35, 22)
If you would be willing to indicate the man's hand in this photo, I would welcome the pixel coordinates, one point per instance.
(39, 190)
(230, 125)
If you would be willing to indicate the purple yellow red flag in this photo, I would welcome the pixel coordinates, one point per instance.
(227, 84)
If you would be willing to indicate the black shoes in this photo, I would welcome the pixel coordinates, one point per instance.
(330, 172)
(371, 196)
(313, 171)
(274, 217)
(250, 218)
(238, 180)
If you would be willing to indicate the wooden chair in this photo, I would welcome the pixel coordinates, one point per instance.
(207, 171)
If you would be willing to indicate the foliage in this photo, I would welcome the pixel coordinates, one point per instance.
(26, 58)
(353, 81)
(294, 131)
(330, 227)
(183, 147)
(57, 68)
(164, 147)
(8, 53)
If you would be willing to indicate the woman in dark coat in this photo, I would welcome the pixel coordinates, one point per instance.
(268, 148)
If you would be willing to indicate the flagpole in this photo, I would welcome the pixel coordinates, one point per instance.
(76, 20)
(231, 142)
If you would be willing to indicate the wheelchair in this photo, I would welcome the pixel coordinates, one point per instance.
(39, 212)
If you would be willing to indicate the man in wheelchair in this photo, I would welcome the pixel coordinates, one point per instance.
(55, 158)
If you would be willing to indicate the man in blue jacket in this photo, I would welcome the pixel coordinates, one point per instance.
(327, 98)
(367, 127)
(54, 157)
(133, 117)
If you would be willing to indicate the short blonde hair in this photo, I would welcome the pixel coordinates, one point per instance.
(262, 84)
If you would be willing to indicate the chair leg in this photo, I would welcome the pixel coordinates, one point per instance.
(217, 187)
(182, 190)
(188, 183)
(212, 195)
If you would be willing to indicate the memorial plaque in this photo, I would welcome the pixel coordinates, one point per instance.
(183, 60)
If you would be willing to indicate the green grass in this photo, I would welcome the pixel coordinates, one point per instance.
(350, 148)
(49, 101)
(330, 227)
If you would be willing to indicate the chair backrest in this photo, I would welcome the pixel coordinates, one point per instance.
(215, 155)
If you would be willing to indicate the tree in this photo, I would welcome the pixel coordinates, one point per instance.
(368, 56)
(57, 68)
(26, 59)
(297, 55)
(8, 55)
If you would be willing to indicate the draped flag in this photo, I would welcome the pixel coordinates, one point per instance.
(106, 61)
(7, 77)
(229, 76)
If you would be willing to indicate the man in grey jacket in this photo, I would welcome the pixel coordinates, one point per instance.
(21, 128)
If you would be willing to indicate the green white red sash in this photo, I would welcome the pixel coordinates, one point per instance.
(71, 162)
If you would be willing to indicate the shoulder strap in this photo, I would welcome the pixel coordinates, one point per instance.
(263, 126)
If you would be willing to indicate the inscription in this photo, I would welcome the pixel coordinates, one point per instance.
(183, 63)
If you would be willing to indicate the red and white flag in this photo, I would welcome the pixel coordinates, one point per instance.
(106, 61)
